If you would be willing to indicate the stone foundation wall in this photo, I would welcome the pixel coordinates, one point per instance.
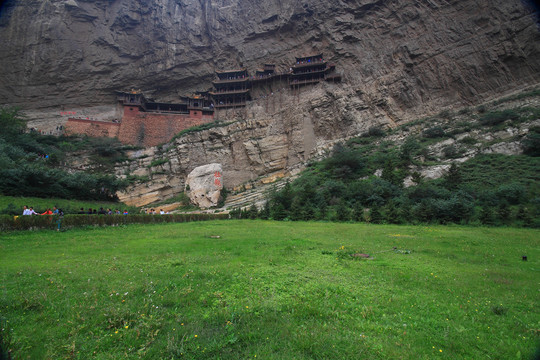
(151, 129)
(93, 128)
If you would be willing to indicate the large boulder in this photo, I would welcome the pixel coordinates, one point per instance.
(204, 185)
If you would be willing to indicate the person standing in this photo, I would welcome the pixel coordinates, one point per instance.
(60, 218)
(26, 210)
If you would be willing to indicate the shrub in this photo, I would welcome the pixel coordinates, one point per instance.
(199, 128)
(531, 142)
(344, 162)
(50, 222)
(375, 131)
(158, 162)
(468, 140)
(512, 193)
(446, 114)
(451, 152)
(410, 148)
(434, 132)
(498, 117)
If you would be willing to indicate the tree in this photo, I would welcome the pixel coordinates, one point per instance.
(253, 212)
(453, 178)
(11, 122)
(417, 178)
(503, 212)
(409, 149)
(323, 210)
(531, 142)
(278, 212)
(358, 212)
(375, 215)
(392, 213)
(486, 216)
(308, 212)
(295, 213)
(265, 211)
(342, 211)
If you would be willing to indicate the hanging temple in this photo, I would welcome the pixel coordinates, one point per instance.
(148, 123)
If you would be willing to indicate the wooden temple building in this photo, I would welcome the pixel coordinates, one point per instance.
(149, 123)
(197, 105)
(231, 88)
(310, 70)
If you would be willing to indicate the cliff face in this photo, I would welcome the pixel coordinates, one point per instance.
(399, 61)
(404, 56)
(262, 147)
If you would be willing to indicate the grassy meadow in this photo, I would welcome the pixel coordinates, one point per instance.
(245, 289)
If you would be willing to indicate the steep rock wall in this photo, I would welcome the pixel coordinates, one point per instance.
(406, 57)
(399, 60)
(262, 146)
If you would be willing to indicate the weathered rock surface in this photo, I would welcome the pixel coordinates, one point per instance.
(204, 185)
(399, 59)
(250, 161)
(264, 147)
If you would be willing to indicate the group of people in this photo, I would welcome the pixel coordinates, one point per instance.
(55, 211)
(154, 212)
(102, 211)
(30, 211)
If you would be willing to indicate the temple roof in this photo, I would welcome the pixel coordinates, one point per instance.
(236, 71)
(298, 59)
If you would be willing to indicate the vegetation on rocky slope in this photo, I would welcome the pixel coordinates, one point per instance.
(385, 177)
(33, 165)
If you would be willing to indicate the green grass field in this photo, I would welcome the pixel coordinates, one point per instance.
(271, 290)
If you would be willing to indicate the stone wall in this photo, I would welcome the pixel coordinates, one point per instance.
(151, 129)
(139, 127)
(92, 128)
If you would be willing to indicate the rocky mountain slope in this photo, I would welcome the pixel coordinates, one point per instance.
(261, 151)
(399, 59)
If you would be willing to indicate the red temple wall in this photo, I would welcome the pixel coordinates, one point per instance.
(151, 129)
(92, 128)
(138, 127)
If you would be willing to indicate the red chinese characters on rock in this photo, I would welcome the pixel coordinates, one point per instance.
(63, 113)
(217, 179)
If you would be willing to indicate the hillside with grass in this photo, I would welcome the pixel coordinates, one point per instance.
(475, 166)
